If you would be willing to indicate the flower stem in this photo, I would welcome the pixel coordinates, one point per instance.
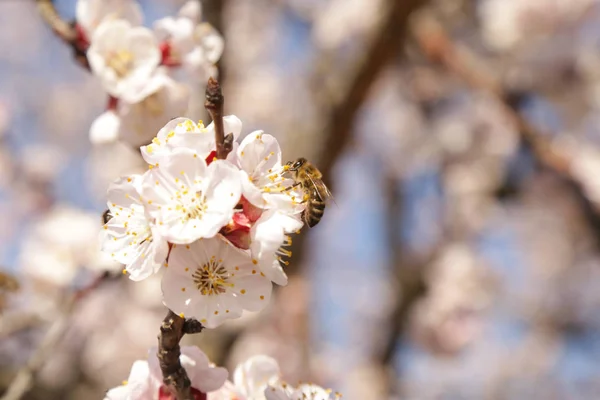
(171, 332)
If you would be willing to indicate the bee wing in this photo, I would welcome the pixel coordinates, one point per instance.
(322, 188)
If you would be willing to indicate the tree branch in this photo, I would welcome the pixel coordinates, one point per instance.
(65, 30)
(386, 43)
(214, 106)
(171, 332)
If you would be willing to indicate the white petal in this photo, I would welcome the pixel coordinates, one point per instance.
(180, 293)
(253, 291)
(223, 187)
(255, 374)
(250, 191)
(105, 128)
(232, 124)
(276, 393)
(258, 153)
(192, 10)
(90, 13)
(272, 269)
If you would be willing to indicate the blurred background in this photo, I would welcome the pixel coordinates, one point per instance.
(461, 259)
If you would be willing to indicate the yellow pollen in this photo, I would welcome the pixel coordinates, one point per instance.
(242, 153)
(254, 261)
(124, 383)
(253, 271)
(128, 179)
(187, 269)
(203, 320)
(216, 313)
(105, 227)
(183, 289)
(262, 297)
(227, 311)
(243, 291)
(237, 268)
(124, 271)
(182, 315)
(187, 246)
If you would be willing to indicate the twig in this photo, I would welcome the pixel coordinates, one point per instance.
(25, 377)
(214, 105)
(171, 331)
(65, 30)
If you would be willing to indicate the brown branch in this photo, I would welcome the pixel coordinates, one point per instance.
(386, 43)
(23, 381)
(171, 332)
(214, 105)
(64, 30)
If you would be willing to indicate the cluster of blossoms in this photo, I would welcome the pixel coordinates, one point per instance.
(135, 63)
(219, 227)
(258, 378)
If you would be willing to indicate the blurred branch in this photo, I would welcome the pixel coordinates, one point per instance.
(439, 47)
(65, 30)
(23, 382)
(386, 43)
(408, 280)
(212, 10)
(171, 332)
(339, 115)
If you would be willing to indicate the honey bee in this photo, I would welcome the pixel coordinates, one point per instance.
(317, 195)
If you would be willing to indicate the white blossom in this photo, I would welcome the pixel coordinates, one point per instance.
(90, 13)
(250, 379)
(105, 128)
(213, 281)
(163, 98)
(61, 243)
(184, 133)
(204, 375)
(128, 236)
(124, 57)
(266, 187)
(145, 379)
(138, 386)
(306, 391)
(188, 199)
(259, 378)
(197, 46)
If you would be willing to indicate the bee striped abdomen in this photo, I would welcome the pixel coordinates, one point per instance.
(315, 208)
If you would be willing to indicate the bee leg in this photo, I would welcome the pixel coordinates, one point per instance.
(287, 189)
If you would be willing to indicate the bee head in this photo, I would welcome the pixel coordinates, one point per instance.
(295, 165)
